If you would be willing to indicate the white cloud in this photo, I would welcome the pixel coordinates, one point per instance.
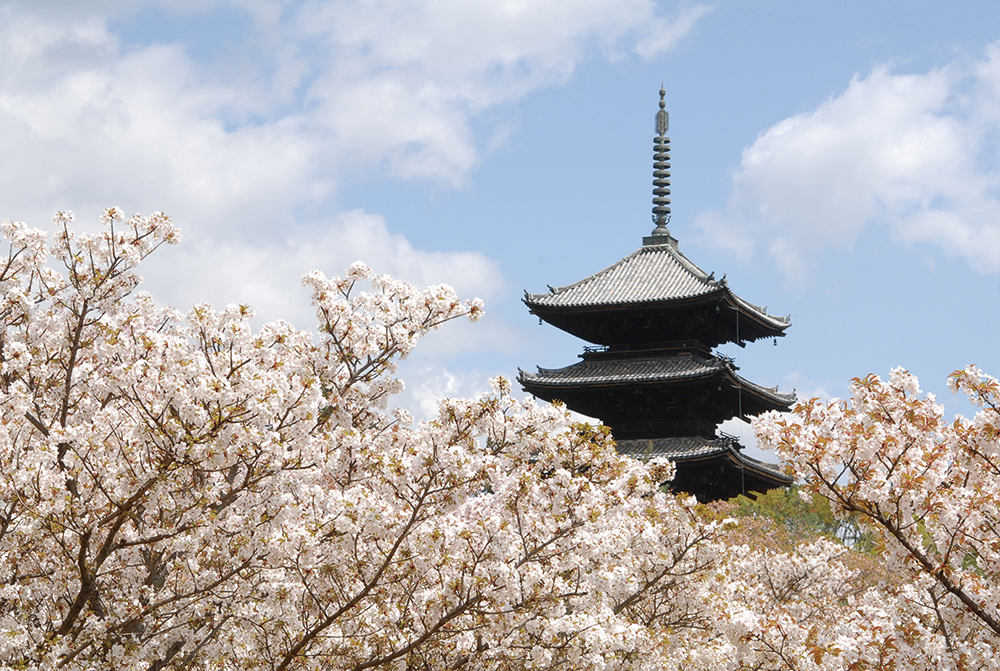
(405, 78)
(317, 91)
(661, 33)
(267, 277)
(145, 132)
(428, 384)
(246, 147)
(806, 388)
(915, 153)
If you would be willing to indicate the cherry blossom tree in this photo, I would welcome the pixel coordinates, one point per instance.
(930, 489)
(182, 491)
(186, 491)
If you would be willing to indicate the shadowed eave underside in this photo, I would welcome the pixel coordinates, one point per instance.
(647, 371)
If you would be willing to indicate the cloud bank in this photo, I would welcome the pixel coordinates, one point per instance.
(915, 153)
(245, 135)
(243, 120)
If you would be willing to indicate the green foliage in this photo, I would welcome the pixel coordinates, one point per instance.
(805, 517)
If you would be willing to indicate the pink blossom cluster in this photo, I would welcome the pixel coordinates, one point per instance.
(184, 491)
(931, 490)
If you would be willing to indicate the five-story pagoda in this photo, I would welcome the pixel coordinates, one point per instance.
(652, 377)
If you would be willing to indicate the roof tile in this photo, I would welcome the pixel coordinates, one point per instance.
(651, 274)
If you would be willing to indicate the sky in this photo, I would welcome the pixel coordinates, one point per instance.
(839, 162)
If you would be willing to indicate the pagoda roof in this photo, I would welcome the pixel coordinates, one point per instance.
(652, 274)
(689, 452)
(654, 293)
(648, 275)
(648, 370)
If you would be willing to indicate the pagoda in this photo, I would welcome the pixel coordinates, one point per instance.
(653, 319)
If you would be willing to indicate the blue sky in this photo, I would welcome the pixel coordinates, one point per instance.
(838, 161)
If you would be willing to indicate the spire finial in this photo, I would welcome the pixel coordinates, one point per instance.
(661, 177)
(662, 118)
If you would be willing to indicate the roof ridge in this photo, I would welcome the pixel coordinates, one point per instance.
(761, 389)
(566, 287)
(683, 260)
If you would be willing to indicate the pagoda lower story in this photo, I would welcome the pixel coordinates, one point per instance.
(710, 470)
(651, 376)
(667, 403)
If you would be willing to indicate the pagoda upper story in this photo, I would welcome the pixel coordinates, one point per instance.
(654, 379)
(654, 294)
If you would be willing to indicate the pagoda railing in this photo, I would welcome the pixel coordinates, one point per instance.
(648, 348)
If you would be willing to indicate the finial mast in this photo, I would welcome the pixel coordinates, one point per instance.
(661, 178)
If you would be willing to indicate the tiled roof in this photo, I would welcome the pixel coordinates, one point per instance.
(625, 370)
(651, 274)
(693, 448)
(653, 369)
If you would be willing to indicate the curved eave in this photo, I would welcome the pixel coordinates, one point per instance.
(622, 320)
(772, 326)
(713, 295)
(763, 469)
(587, 375)
(759, 314)
(784, 400)
(617, 372)
(657, 275)
(692, 450)
(761, 324)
